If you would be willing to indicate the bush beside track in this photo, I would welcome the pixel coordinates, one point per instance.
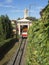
(37, 52)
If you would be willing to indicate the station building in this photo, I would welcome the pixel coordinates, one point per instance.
(23, 23)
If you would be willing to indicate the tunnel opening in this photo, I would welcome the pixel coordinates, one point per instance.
(23, 28)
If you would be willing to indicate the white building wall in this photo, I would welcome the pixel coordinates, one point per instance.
(19, 24)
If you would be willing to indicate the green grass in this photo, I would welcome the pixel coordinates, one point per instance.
(4, 42)
(9, 55)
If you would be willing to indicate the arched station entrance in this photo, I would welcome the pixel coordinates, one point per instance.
(23, 25)
(23, 28)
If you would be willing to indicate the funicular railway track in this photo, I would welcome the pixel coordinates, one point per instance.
(19, 55)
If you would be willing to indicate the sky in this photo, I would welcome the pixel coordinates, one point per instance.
(15, 8)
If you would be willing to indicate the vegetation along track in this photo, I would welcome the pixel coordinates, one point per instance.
(18, 58)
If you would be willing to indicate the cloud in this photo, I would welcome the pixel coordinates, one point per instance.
(36, 9)
(16, 10)
(4, 4)
(1, 4)
(7, 6)
(39, 7)
(30, 11)
(8, 1)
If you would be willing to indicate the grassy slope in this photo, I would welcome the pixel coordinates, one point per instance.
(9, 55)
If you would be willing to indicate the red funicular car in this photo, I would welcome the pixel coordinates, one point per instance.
(24, 34)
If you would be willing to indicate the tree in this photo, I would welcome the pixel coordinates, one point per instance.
(18, 18)
(31, 18)
(2, 37)
(7, 27)
(38, 41)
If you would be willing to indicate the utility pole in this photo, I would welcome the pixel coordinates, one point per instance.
(30, 9)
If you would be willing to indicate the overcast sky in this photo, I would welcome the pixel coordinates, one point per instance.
(14, 8)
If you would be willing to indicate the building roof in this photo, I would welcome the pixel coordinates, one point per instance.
(23, 20)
